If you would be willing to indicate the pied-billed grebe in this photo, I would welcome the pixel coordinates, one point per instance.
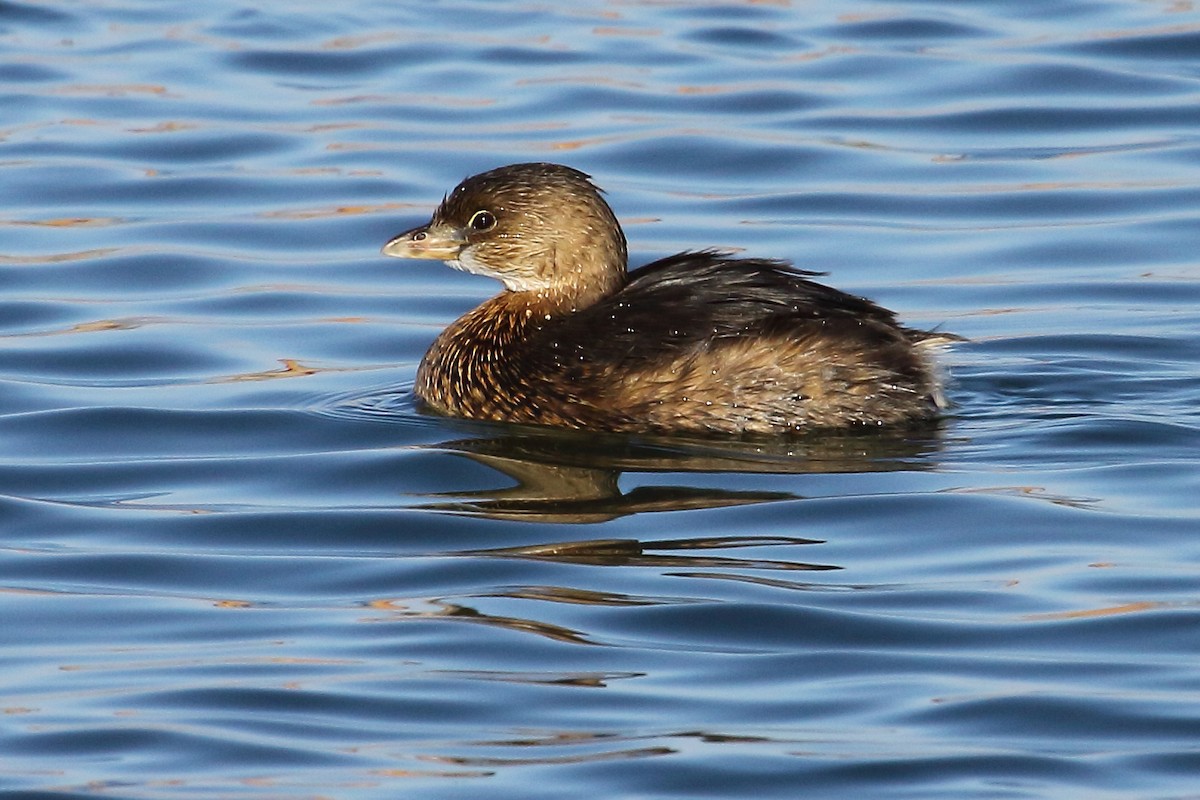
(698, 342)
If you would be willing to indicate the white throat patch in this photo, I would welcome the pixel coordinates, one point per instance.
(466, 262)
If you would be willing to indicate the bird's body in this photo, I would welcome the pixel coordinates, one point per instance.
(697, 343)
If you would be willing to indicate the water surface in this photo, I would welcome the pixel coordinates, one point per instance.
(236, 561)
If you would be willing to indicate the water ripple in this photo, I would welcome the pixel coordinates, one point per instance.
(244, 562)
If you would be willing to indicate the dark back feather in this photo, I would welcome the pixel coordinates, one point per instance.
(686, 300)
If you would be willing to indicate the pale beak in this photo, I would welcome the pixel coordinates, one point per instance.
(431, 241)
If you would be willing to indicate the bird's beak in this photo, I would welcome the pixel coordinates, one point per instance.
(431, 241)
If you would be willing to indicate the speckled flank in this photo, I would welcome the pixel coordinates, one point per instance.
(697, 343)
(770, 384)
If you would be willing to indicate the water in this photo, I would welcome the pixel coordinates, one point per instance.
(236, 562)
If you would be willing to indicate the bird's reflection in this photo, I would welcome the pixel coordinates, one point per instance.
(690, 554)
(637, 553)
(567, 476)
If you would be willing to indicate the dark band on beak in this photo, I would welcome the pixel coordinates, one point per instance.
(429, 241)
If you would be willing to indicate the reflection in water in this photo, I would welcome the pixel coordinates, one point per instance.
(580, 758)
(572, 477)
(444, 610)
(633, 553)
(586, 680)
(598, 552)
(567, 476)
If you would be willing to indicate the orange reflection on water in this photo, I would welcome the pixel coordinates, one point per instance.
(115, 89)
(166, 126)
(1090, 613)
(58, 258)
(336, 211)
(66, 222)
(291, 369)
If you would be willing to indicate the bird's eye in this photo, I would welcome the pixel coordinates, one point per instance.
(482, 221)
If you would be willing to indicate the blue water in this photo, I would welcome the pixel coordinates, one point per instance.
(235, 560)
